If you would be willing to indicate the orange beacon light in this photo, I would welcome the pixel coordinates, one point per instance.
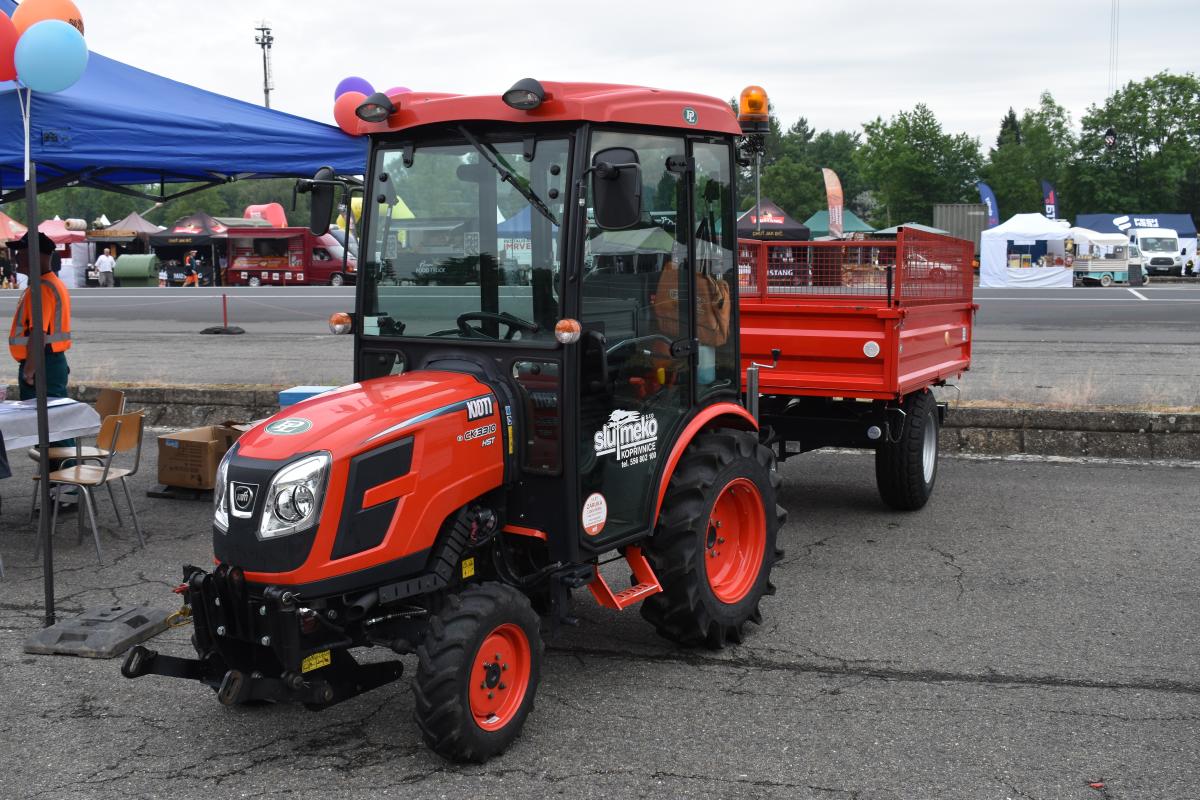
(753, 110)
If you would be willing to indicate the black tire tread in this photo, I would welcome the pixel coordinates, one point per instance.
(898, 467)
(438, 688)
(680, 612)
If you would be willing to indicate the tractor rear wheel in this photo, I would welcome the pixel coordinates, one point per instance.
(906, 470)
(477, 672)
(715, 543)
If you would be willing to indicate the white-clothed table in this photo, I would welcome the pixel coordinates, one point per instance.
(68, 419)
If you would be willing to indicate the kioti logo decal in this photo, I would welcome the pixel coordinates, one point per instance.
(628, 435)
(479, 408)
(289, 427)
(242, 496)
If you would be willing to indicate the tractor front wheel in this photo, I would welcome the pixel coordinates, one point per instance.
(715, 543)
(477, 672)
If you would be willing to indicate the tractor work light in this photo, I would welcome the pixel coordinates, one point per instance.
(753, 110)
(376, 108)
(525, 95)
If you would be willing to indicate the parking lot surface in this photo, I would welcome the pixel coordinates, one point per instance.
(1034, 630)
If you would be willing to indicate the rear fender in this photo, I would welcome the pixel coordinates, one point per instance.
(718, 415)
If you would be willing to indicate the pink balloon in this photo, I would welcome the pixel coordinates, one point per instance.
(395, 90)
(8, 46)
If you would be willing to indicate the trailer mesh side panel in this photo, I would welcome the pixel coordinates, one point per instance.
(914, 268)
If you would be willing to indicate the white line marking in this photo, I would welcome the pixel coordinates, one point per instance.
(1138, 294)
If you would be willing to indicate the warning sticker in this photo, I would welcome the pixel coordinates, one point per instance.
(595, 514)
(315, 661)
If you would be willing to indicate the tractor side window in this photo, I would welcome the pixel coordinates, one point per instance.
(715, 275)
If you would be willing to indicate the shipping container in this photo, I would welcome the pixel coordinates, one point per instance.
(963, 220)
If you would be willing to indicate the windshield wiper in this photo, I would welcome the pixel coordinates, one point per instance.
(507, 175)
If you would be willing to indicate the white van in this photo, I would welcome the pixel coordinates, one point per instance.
(1160, 250)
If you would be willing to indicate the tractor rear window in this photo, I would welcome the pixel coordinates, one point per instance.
(464, 242)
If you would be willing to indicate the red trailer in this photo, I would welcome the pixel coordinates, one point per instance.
(267, 256)
(848, 337)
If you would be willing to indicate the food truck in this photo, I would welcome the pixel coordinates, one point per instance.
(268, 256)
(1102, 258)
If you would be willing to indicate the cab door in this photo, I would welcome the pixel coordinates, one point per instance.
(636, 375)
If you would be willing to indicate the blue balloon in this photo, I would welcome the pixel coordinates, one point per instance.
(353, 84)
(50, 56)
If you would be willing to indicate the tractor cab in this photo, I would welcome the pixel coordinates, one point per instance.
(585, 266)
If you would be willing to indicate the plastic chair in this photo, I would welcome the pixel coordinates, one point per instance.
(108, 402)
(119, 433)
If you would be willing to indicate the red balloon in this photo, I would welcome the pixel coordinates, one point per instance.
(31, 12)
(8, 46)
(343, 111)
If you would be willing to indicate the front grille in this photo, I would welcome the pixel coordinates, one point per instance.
(1162, 262)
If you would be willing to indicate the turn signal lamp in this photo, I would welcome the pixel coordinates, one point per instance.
(753, 110)
(567, 331)
(525, 95)
(340, 322)
(376, 108)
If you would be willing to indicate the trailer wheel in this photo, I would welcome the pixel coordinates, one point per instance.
(477, 672)
(715, 543)
(906, 470)
(336, 279)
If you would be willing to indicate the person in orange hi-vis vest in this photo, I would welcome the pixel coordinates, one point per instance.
(56, 316)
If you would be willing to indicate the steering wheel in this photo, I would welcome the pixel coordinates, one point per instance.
(514, 324)
(653, 337)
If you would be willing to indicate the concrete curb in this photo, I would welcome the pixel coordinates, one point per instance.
(1052, 432)
(980, 431)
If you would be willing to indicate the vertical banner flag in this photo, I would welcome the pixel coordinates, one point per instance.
(988, 198)
(833, 191)
(1049, 200)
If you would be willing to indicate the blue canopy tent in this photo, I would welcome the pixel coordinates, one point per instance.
(120, 126)
(1121, 223)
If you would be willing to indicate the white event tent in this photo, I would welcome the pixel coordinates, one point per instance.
(1023, 230)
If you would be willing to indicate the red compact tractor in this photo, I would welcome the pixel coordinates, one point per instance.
(548, 378)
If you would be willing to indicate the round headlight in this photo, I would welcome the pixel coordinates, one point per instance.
(303, 501)
(285, 505)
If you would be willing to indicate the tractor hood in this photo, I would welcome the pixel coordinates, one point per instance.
(360, 416)
(405, 452)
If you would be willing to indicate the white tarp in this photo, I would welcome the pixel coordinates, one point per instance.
(1023, 229)
(1101, 239)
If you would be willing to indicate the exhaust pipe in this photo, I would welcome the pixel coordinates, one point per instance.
(359, 608)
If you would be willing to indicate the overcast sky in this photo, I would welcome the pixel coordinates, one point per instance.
(838, 64)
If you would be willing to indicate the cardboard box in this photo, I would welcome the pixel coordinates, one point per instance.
(190, 458)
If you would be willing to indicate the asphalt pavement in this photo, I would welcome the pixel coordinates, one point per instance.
(1080, 347)
(1034, 630)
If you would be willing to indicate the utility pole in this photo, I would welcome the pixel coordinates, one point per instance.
(264, 39)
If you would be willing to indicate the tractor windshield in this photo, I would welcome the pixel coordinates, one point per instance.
(463, 240)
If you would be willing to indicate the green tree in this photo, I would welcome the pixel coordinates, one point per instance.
(912, 163)
(1010, 129)
(1155, 164)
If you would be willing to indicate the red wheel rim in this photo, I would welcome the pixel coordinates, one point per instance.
(499, 677)
(734, 541)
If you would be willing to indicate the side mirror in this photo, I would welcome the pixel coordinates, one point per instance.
(616, 188)
(321, 205)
